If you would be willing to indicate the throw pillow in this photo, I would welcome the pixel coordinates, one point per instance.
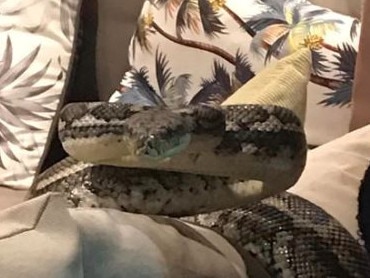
(37, 45)
(203, 51)
(93, 243)
(333, 175)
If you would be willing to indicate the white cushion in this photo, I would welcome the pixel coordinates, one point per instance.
(333, 175)
(36, 51)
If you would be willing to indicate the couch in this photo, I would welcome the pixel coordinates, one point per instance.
(98, 71)
(116, 14)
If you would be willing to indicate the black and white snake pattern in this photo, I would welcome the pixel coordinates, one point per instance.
(229, 164)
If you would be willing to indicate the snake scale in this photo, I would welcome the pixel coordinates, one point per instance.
(228, 165)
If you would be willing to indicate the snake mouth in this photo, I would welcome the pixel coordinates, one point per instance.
(159, 148)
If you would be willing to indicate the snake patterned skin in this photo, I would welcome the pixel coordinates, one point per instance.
(289, 236)
(203, 159)
(176, 165)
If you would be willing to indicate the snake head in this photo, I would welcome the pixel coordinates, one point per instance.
(161, 148)
(169, 131)
(159, 133)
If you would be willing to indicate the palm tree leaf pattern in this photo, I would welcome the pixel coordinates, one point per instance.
(15, 13)
(346, 61)
(68, 10)
(173, 90)
(276, 47)
(355, 28)
(264, 20)
(202, 51)
(36, 42)
(11, 74)
(345, 65)
(33, 78)
(212, 25)
(163, 72)
(177, 92)
(339, 97)
(188, 17)
(243, 71)
(170, 5)
(6, 60)
(136, 89)
(320, 63)
(142, 32)
(11, 9)
(216, 89)
(16, 96)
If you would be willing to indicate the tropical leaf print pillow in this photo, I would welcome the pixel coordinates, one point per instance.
(36, 44)
(201, 51)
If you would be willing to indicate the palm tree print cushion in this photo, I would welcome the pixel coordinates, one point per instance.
(36, 44)
(201, 51)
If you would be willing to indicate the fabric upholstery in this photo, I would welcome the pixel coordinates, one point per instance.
(10, 197)
(333, 175)
(37, 46)
(361, 94)
(82, 84)
(204, 52)
(117, 21)
(42, 238)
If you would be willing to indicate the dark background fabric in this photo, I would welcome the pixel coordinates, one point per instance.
(364, 209)
(105, 31)
(81, 84)
(117, 22)
(360, 94)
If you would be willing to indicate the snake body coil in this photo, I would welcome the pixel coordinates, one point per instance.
(291, 237)
(202, 159)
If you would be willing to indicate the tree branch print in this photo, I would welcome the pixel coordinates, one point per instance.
(195, 44)
(239, 21)
(196, 15)
(330, 83)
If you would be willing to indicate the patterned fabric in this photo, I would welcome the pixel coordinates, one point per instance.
(36, 45)
(199, 51)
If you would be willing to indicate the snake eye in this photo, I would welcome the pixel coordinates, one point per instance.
(73, 111)
(159, 148)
